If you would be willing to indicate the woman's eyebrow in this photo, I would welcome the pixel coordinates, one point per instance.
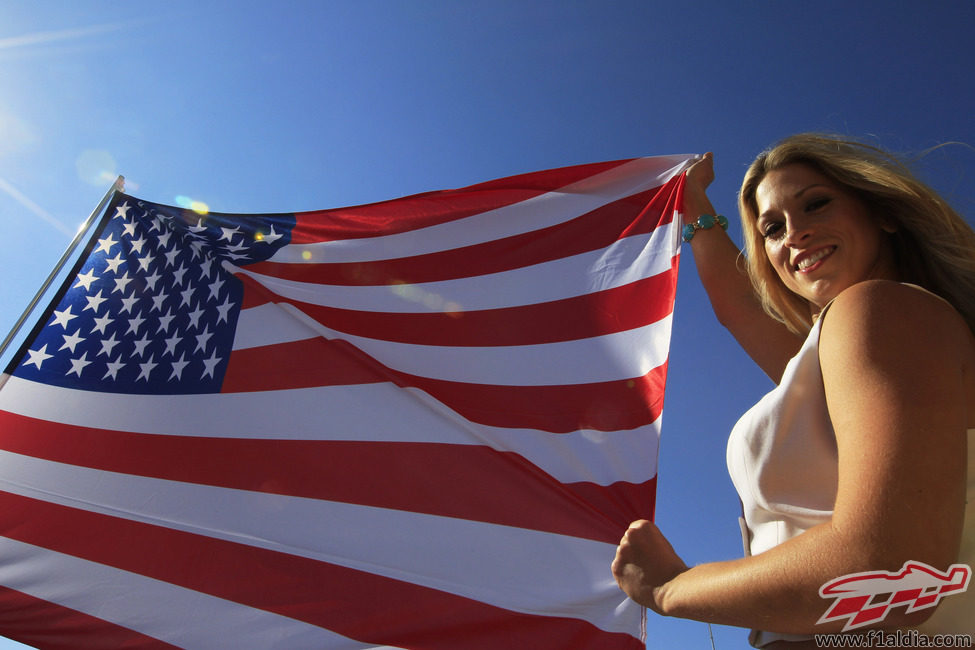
(797, 195)
(807, 188)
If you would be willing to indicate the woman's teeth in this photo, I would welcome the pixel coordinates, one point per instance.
(815, 257)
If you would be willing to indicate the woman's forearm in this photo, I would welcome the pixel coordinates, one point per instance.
(777, 590)
(719, 266)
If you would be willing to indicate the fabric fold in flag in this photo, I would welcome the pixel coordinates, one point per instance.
(419, 423)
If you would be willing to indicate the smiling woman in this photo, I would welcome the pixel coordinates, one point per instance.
(819, 238)
(862, 459)
(932, 244)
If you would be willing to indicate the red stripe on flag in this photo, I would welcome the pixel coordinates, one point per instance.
(432, 208)
(44, 624)
(326, 362)
(595, 314)
(359, 605)
(633, 215)
(465, 481)
(604, 406)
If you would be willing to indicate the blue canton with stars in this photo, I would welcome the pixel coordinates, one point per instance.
(153, 307)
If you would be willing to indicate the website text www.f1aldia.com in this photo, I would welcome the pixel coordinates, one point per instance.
(895, 639)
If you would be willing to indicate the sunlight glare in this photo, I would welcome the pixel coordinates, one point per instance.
(96, 167)
(15, 133)
(33, 207)
(430, 300)
(187, 203)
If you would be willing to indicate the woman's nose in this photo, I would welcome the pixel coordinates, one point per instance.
(797, 231)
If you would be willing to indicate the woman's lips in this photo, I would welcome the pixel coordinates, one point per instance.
(808, 262)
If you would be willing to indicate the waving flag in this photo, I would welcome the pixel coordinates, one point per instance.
(422, 423)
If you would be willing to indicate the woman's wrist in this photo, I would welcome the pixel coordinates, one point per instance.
(664, 595)
(696, 181)
(696, 204)
(703, 222)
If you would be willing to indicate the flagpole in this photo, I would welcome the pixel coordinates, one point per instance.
(117, 186)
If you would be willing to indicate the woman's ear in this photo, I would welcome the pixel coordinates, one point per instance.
(886, 224)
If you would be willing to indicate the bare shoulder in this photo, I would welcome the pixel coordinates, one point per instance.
(899, 327)
(895, 311)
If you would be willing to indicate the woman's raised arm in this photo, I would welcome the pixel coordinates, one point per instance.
(719, 264)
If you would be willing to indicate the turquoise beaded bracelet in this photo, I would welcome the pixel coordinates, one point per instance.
(703, 222)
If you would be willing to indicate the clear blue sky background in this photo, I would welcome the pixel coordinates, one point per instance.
(287, 105)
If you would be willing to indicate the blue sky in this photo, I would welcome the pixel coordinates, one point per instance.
(289, 105)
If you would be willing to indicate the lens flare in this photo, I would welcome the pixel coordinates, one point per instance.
(96, 167)
(430, 300)
(186, 202)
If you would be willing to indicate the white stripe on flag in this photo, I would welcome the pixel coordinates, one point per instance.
(528, 572)
(122, 597)
(611, 357)
(352, 415)
(633, 258)
(533, 214)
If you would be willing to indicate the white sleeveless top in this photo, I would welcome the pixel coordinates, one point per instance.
(782, 459)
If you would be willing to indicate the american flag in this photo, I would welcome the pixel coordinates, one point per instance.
(421, 423)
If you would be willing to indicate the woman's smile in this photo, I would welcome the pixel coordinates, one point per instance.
(819, 238)
(809, 262)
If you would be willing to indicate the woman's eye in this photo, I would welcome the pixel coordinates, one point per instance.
(816, 204)
(771, 230)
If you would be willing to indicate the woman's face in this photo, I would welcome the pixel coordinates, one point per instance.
(819, 238)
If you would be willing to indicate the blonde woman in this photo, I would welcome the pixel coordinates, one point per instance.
(859, 302)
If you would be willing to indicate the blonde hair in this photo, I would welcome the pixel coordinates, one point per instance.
(933, 245)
